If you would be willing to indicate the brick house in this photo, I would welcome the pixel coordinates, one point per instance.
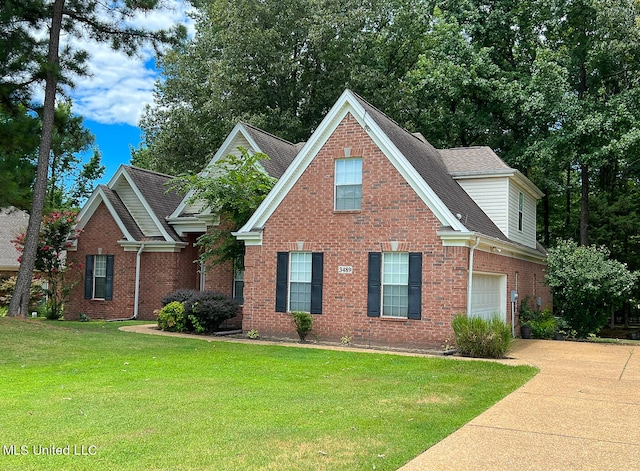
(384, 238)
(371, 229)
(137, 240)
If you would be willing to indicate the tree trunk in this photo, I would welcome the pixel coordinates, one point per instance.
(20, 299)
(584, 205)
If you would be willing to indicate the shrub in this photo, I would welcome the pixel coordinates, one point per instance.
(303, 323)
(543, 325)
(207, 310)
(50, 311)
(587, 285)
(181, 296)
(477, 337)
(171, 317)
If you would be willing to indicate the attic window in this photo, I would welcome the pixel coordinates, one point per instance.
(348, 184)
(520, 210)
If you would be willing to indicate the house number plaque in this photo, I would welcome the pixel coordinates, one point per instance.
(345, 270)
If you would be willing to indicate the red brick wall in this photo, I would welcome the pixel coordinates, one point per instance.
(391, 211)
(160, 274)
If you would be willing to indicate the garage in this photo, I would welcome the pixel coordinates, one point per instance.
(488, 295)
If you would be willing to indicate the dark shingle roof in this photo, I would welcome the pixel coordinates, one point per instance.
(122, 212)
(162, 201)
(470, 160)
(428, 163)
(281, 153)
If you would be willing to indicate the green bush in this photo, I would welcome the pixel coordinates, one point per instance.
(171, 317)
(303, 323)
(543, 325)
(481, 338)
(180, 295)
(207, 310)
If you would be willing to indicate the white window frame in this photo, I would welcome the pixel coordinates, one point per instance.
(520, 211)
(398, 277)
(345, 178)
(299, 278)
(99, 266)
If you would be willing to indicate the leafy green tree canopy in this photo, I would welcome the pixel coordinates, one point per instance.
(232, 189)
(587, 285)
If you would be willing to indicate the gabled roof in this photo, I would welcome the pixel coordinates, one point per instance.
(188, 217)
(13, 222)
(482, 161)
(417, 160)
(139, 202)
(426, 160)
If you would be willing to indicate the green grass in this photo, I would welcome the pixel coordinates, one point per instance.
(147, 402)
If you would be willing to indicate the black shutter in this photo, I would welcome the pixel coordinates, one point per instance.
(282, 278)
(415, 286)
(374, 284)
(108, 286)
(317, 264)
(88, 277)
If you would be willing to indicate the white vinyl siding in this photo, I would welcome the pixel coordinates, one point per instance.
(491, 195)
(526, 236)
(137, 209)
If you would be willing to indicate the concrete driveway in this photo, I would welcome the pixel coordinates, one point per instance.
(581, 412)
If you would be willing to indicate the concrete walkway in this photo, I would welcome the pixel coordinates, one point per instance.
(581, 412)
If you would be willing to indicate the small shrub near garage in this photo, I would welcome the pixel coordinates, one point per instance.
(481, 338)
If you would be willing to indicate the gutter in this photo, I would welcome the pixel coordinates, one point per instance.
(470, 280)
(137, 287)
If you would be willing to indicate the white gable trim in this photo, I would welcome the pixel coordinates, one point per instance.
(122, 173)
(90, 207)
(347, 103)
(224, 150)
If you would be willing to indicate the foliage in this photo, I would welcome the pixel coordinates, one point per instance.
(232, 188)
(543, 325)
(171, 317)
(180, 295)
(587, 285)
(37, 294)
(253, 334)
(51, 262)
(478, 337)
(303, 322)
(3, 311)
(39, 60)
(209, 309)
(309, 393)
(203, 311)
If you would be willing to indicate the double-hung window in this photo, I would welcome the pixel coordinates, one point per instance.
(348, 184)
(299, 282)
(395, 285)
(98, 282)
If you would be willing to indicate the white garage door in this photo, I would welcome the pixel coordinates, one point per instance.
(488, 295)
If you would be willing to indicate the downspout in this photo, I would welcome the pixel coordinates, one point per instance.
(470, 281)
(137, 290)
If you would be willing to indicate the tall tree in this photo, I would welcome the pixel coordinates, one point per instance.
(278, 64)
(104, 22)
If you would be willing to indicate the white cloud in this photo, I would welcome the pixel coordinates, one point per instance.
(120, 86)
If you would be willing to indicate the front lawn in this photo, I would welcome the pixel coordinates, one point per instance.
(93, 397)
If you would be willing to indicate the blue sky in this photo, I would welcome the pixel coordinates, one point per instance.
(111, 100)
(114, 141)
